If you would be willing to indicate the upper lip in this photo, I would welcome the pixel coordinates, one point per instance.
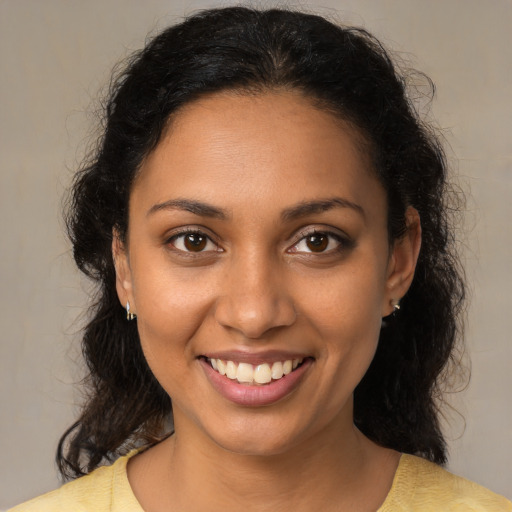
(267, 356)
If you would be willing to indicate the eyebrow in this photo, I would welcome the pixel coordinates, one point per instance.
(302, 209)
(318, 206)
(190, 205)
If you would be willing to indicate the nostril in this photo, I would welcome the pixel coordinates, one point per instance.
(254, 315)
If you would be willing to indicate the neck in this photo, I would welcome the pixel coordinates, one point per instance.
(333, 468)
(258, 479)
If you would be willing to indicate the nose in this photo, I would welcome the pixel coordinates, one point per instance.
(254, 299)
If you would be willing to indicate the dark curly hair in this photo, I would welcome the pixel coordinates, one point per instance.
(344, 70)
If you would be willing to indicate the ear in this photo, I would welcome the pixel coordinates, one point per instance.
(123, 271)
(402, 262)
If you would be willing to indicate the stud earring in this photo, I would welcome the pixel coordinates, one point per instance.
(129, 316)
(396, 306)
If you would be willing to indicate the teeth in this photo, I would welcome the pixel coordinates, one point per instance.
(248, 374)
(231, 370)
(244, 373)
(221, 366)
(277, 370)
(262, 374)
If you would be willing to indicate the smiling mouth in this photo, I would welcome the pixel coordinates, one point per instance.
(255, 375)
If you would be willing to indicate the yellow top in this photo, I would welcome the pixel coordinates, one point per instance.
(418, 486)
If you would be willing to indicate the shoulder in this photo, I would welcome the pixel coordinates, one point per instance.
(105, 489)
(80, 494)
(423, 486)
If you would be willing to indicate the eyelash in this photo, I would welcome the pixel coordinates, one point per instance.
(342, 242)
(187, 232)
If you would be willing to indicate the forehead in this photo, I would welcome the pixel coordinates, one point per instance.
(271, 149)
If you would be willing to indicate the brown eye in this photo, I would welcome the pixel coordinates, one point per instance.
(321, 242)
(317, 242)
(195, 242)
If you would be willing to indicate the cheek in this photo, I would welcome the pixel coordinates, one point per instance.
(348, 302)
(345, 313)
(171, 307)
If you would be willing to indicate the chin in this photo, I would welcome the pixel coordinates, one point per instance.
(265, 434)
(265, 445)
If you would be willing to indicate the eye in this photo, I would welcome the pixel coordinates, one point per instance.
(318, 242)
(193, 241)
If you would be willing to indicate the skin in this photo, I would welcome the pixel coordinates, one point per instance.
(259, 284)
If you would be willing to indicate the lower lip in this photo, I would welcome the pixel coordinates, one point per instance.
(255, 396)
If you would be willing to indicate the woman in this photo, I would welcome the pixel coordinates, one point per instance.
(266, 219)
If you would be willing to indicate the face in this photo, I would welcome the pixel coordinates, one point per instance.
(259, 266)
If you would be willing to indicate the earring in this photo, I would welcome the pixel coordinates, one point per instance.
(129, 316)
(396, 306)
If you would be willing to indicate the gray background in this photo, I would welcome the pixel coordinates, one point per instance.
(55, 55)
